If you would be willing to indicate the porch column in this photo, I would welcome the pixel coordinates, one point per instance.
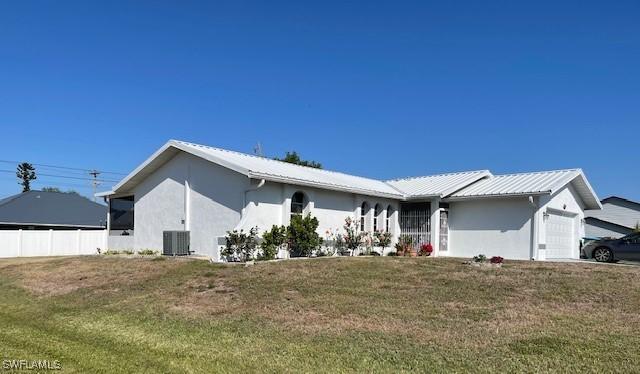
(435, 226)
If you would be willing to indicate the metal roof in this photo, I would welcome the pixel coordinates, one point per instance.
(536, 183)
(262, 168)
(479, 183)
(437, 185)
(39, 208)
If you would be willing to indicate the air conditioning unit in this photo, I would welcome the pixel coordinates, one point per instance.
(175, 243)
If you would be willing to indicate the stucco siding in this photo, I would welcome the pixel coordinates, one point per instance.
(493, 227)
(567, 201)
(159, 204)
(215, 206)
(214, 195)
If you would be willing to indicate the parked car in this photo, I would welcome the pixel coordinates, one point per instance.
(609, 250)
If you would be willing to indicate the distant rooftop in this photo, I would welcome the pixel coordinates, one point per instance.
(40, 208)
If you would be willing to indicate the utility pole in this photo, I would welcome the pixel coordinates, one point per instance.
(95, 183)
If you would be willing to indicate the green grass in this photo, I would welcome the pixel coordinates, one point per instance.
(382, 314)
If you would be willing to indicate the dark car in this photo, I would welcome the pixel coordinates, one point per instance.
(609, 250)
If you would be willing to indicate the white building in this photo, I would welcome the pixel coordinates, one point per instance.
(208, 191)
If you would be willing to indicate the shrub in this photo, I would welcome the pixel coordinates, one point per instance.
(334, 242)
(392, 254)
(127, 252)
(240, 246)
(496, 260)
(147, 252)
(426, 249)
(480, 258)
(111, 252)
(272, 241)
(367, 243)
(382, 239)
(302, 237)
(406, 243)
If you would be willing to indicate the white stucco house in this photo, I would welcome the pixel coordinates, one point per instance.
(206, 191)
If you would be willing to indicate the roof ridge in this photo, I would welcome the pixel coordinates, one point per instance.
(439, 175)
(535, 172)
(275, 161)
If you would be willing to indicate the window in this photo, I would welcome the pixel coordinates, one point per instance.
(297, 204)
(121, 214)
(376, 213)
(387, 223)
(363, 215)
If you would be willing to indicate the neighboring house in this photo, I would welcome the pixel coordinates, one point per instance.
(209, 191)
(617, 218)
(39, 210)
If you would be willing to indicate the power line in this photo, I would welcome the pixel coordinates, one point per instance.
(64, 167)
(64, 176)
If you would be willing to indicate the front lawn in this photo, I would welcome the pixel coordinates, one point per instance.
(111, 314)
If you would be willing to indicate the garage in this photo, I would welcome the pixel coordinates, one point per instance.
(560, 233)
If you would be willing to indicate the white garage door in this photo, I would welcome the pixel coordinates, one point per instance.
(561, 242)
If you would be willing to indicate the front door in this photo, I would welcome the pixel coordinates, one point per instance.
(444, 230)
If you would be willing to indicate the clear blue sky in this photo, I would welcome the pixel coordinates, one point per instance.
(379, 89)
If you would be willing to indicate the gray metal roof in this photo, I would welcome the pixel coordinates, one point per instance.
(51, 209)
(437, 185)
(544, 182)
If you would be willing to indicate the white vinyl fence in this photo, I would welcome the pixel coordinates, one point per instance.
(31, 243)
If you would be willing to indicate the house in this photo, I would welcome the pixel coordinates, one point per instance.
(40, 210)
(617, 218)
(208, 191)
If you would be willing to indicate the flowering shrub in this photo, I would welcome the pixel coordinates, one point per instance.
(426, 249)
(496, 260)
(352, 238)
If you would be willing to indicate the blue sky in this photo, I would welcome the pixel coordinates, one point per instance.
(379, 89)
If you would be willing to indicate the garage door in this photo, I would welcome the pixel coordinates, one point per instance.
(561, 242)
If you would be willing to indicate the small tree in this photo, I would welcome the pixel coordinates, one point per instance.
(302, 237)
(352, 238)
(240, 245)
(637, 228)
(272, 241)
(25, 173)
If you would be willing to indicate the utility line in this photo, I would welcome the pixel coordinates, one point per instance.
(64, 176)
(63, 167)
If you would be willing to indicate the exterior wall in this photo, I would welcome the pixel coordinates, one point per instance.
(186, 193)
(567, 201)
(599, 229)
(503, 226)
(271, 205)
(493, 227)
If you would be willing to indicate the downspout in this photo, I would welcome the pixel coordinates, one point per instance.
(534, 229)
(244, 202)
